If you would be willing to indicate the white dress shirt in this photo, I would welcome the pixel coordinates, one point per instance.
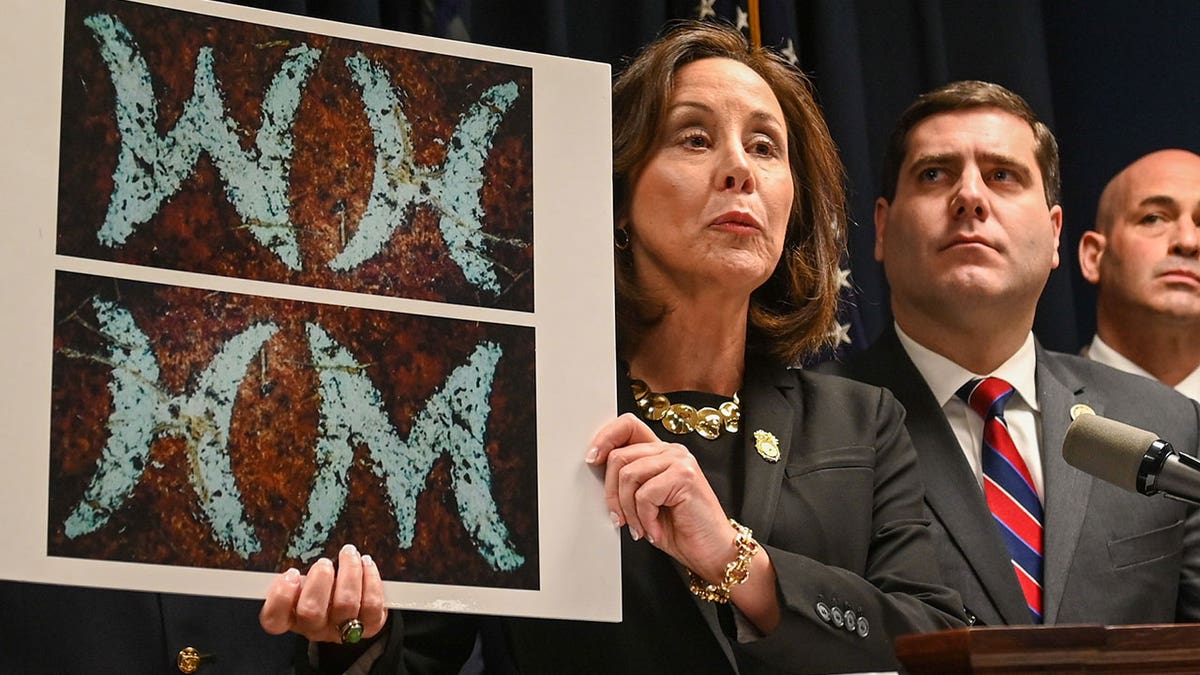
(1100, 352)
(1021, 413)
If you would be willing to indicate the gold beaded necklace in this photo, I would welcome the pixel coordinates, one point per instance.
(681, 418)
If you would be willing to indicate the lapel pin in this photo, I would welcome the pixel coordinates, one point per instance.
(1081, 409)
(767, 445)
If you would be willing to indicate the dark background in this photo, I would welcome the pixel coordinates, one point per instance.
(1114, 79)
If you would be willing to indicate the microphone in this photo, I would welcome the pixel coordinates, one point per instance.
(1131, 458)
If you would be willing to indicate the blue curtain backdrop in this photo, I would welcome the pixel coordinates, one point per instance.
(1114, 79)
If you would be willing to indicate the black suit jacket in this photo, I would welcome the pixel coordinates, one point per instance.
(53, 630)
(1111, 556)
(840, 515)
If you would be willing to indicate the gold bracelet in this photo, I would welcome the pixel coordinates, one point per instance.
(736, 572)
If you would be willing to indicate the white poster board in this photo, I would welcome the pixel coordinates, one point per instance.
(271, 285)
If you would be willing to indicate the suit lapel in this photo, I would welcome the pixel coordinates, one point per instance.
(765, 407)
(1066, 488)
(951, 489)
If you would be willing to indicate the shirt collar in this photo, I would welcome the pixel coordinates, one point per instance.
(944, 376)
(1101, 352)
(1190, 386)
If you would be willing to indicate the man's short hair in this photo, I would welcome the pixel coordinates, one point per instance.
(964, 95)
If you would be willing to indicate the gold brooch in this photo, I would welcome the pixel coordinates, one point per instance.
(767, 445)
(681, 418)
(1081, 409)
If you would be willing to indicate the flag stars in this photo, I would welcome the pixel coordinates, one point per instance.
(789, 52)
(743, 19)
(705, 10)
(843, 278)
(840, 333)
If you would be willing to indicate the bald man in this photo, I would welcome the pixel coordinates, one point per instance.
(1144, 258)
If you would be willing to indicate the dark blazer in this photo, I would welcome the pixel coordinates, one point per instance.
(49, 630)
(1111, 556)
(840, 515)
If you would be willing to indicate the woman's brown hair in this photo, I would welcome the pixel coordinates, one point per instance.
(793, 312)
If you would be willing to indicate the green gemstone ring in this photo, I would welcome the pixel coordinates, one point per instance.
(350, 631)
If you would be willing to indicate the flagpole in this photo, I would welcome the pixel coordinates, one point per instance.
(755, 27)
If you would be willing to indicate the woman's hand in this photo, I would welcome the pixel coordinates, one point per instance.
(659, 491)
(317, 604)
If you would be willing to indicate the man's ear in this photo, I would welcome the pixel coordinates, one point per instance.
(881, 214)
(1091, 250)
(1056, 220)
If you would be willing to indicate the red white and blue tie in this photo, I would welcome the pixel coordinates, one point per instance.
(1009, 487)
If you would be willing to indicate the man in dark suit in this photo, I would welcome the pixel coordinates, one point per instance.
(1144, 258)
(967, 230)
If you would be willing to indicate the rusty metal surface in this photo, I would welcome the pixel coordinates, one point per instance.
(332, 167)
(275, 426)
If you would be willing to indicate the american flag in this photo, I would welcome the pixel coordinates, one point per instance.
(774, 23)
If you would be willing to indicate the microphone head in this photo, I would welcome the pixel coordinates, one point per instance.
(1107, 449)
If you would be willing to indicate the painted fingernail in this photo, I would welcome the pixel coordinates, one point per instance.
(292, 575)
(650, 539)
(323, 561)
(616, 520)
(592, 454)
(635, 534)
(367, 560)
(349, 548)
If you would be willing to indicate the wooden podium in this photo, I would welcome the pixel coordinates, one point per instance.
(1169, 648)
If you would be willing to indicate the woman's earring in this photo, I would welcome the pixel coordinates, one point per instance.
(621, 238)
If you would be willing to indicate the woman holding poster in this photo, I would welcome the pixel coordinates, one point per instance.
(773, 517)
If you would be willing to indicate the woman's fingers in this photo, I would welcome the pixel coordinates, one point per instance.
(632, 469)
(622, 433)
(372, 611)
(643, 475)
(348, 587)
(319, 603)
(670, 482)
(625, 430)
(312, 608)
(649, 477)
(276, 615)
(615, 462)
(650, 498)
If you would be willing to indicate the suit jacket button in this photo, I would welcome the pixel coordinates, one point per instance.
(838, 621)
(864, 628)
(190, 660)
(823, 611)
(851, 619)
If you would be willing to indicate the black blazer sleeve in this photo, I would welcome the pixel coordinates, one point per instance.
(851, 535)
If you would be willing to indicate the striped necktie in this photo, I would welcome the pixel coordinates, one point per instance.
(1009, 487)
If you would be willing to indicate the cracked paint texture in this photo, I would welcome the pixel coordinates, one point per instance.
(192, 427)
(208, 145)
